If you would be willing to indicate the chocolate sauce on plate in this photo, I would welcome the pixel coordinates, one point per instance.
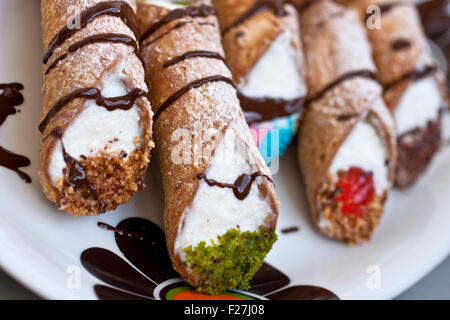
(10, 98)
(125, 102)
(290, 230)
(266, 109)
(241, 187)
(100, 38)
(150, 257)
(277, 7)
(109, 267)
(193, 11)
(194, 54)
(193, 85)
(123, 232)
(13, 162)
(119, 9)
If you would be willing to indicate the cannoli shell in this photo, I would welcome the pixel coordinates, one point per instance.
(246, 43)
(82, 69)
(335, 44)
(212, 109)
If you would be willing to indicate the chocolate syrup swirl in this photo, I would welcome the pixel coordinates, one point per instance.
(13, 162)
(277, 7)
(119, 9)
(401, 44)
(202, 11)
(266, 109)
(123, 103)
(347, 76)
(193, 85)
(194, 54)
(413, 75)
(241, 187)
(100, 38)
(10, 99)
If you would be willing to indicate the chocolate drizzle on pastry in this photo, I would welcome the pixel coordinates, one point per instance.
(241, 187)
(119, 9)
(347, 76)
(266, 109)
(75, 171)
(100, 38)
(401, 44)
(193, 85)
(177, 26)
(9, 99)
(277, 7)
(193, 11)
(413, 75)
(194, 54)
(76, 174)
(123, 103)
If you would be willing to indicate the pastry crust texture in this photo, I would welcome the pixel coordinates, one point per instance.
(335, 46)
(112, 180)
(210, 108)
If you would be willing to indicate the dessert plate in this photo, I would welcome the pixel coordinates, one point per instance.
(59, 257)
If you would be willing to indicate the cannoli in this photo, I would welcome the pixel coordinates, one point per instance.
(262, 44)
(220, 204)
(414, 88)
(347, 150)
(96, 119)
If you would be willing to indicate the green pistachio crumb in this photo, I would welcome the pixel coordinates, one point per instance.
(232, 262)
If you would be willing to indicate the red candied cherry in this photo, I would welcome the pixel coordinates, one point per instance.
(356, 189)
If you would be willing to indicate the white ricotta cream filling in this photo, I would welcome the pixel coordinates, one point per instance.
(215, 210)
(419, 104)
(276, 74)
(96, 129)
(363, 148)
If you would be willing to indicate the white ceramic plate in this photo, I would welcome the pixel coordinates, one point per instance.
(41, 247)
